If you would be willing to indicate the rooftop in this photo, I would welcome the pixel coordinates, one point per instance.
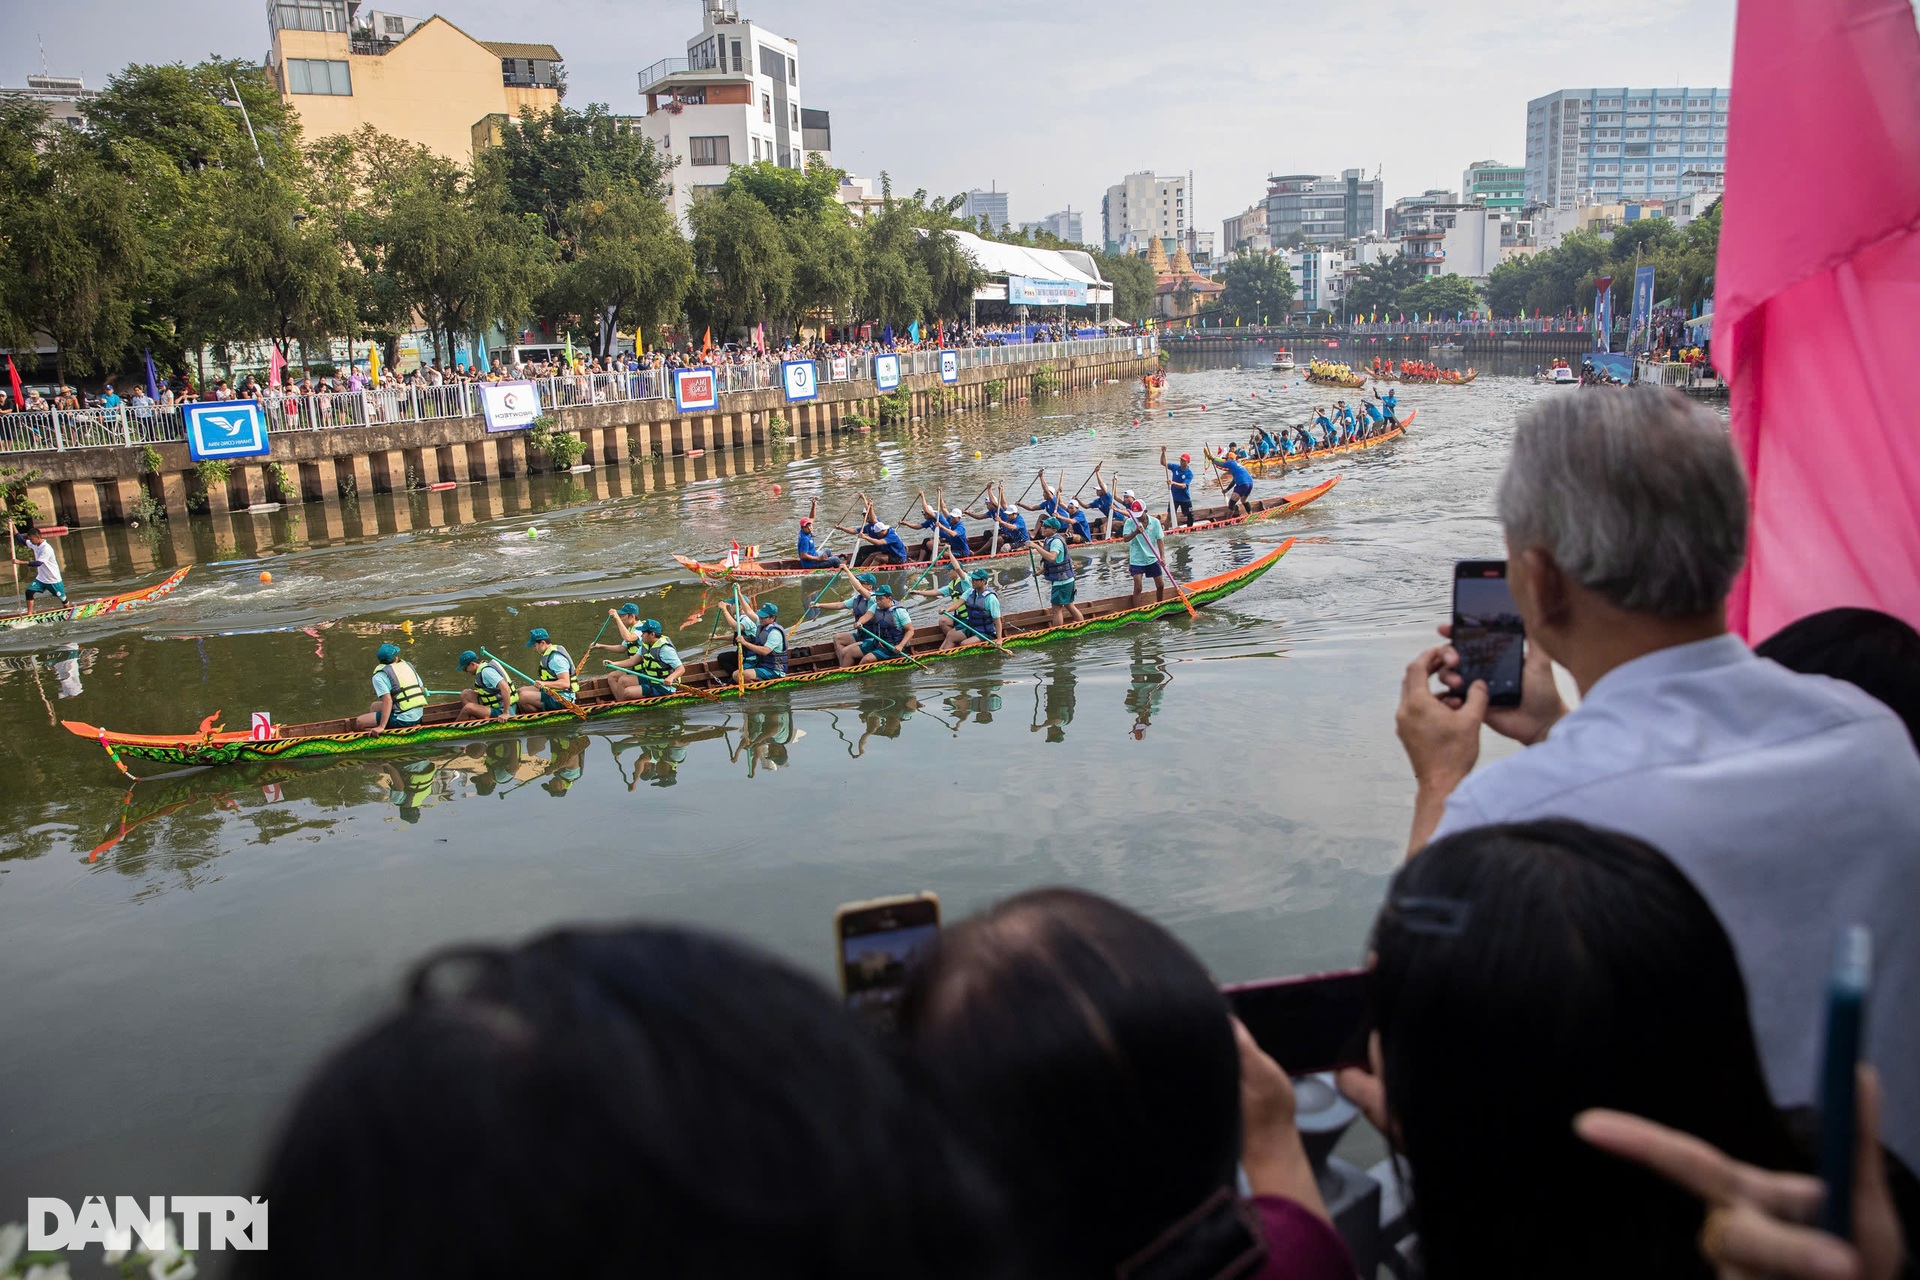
(513, 49)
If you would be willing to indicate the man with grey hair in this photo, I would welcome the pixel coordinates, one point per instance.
(1791, 801)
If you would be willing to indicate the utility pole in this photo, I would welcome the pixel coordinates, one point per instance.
(252, 137)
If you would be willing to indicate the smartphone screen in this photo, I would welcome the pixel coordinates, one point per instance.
(1487, 631)
(877, 942)
(1846, 1025)
(1308, 1024)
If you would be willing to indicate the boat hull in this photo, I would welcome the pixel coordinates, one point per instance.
(1204, 519)
(94, 608)
(219, 748)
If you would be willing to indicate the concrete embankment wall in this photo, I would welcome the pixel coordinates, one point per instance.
(83, 487)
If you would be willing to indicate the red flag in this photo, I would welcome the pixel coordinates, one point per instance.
(1815, 319)
(706, 341)
(13, 376)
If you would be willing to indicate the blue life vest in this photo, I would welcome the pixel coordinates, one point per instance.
(776, 662)
(1060, 570)
(978, 615)
(884, 625)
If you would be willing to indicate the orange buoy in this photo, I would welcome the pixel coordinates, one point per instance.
(265, 576)
(776, 491)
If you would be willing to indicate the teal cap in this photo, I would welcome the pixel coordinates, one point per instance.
(981, 575)
(1052, 522)
(467, 658)
(884, 589)
(769, 610)
(652, 625)
(630, 609)
(536, 635)
(867, 579)
(387, 652)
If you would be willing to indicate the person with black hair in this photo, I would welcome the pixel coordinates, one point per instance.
(638, 1101)
(1522, 975)
(1096, 1066)
(1871, 650)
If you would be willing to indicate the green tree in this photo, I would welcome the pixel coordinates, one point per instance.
(1377, 286)
(1133, 284)
(828, 274)
(791, 195)
(1258, 288)
(896, 290)
(1446, 295)
(630, 266)
(742, 257)
(277, 271)
(546, 164)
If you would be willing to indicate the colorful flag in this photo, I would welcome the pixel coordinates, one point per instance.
(706, 341)
(484, 364)
(276, 365)
(13, 376)
(373, 363)
(569, 351)
(913, 332)
(153, 377)
(1814, 313)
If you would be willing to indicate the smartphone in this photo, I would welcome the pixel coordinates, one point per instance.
(875, 942)
(1487, 631)
(1314, 1023)
(1846, 1028)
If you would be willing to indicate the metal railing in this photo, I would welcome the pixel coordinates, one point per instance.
(660, 71)
(62, 430)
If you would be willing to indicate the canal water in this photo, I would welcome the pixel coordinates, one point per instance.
(177, 953)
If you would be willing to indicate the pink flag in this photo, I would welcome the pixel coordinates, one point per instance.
(1818, 311)
(276, 366)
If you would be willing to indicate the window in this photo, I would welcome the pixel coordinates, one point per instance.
(710, 150)
(393, 24)
(736, 56)
(796, 114)
(793, 72)
(766, 108)
(315, 76)
(756, 150)
(309, 15)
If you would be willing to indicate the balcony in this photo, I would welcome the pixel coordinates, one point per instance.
(661, 70)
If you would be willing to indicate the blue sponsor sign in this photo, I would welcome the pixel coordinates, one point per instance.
(1027, 291)
(886, 372)
(949, 367)
(225, 429)
(1640, 319)
(801, 379)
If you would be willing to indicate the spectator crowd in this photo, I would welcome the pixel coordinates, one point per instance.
(1596, 997)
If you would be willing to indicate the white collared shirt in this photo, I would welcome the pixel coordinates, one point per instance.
(1792, 802)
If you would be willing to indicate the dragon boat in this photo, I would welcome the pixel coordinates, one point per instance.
(445, 722)
(982, 546)
(1280, 462)
(1322, 373)
(94, 608)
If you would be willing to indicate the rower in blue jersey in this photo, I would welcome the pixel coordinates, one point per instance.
(1049, 503)
(1057, 567)
(1013, 526)
(880, 542)
(1103, 503)
(1345, 414)
(810, 552)
(1180, 483)
(555, 677)
(979, 616)
(949, 526)
(399, 695)
(761, 645)
(1320, 420)
(1238, 483)
(1390, 404)
(492, 696)
(1079, 528)
(1303, 443)
(886, 631)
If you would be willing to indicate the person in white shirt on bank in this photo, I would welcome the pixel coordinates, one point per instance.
(1791, 801)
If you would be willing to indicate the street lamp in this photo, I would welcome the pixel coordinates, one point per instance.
(235, 101)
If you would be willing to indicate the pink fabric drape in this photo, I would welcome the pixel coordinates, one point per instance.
(1817, 318)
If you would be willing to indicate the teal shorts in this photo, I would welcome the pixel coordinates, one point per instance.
(1065, 592)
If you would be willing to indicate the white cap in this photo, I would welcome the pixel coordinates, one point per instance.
(954, 512)
(1126, 493)
(884, 528)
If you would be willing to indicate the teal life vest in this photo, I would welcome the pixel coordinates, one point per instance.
(408, 693)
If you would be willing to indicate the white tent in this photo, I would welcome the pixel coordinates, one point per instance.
(1002, 261)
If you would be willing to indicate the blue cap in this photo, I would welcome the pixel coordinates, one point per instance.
(653, 625)
(536, 635)
(387, 652)
(467, 658)
(769, 610)
(630, 609)
(981, 575)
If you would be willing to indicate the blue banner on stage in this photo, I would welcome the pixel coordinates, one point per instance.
(225, 429)
(1612, 368)
(1640, 319)
(1603, 314)
(1027, 291)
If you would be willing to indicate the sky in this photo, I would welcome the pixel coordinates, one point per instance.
(1054, 102)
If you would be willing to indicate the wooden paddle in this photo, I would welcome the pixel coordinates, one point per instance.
(960, 619)
(1162, 561)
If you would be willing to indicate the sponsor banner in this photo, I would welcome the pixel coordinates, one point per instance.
(1027, 291)
(801, 379)
(1614, 366)
(886, 372)
(949, 367)
(509, 406)
(696, 389)
(1603, 314)
(225, 429)
(1640, 319)
(839, 368)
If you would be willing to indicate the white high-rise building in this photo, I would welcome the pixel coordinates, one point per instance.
(1065, 224)
(990, 204)
(1608, 146)
(733, 99)
(1142, 207)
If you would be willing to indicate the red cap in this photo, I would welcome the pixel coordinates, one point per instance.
(1186, 457)
(806, 519)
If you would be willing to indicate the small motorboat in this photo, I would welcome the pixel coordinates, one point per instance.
(1283, 359)
(1559, 375)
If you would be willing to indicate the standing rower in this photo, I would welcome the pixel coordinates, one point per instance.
(492, 696)
(399, 696)
(1057, 566)
(1180, 484)
(1390, 405)
(1241, 481)
(554, 676)
(46, 578)
(1146, 546)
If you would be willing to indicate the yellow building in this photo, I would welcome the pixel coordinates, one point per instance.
(425, 81)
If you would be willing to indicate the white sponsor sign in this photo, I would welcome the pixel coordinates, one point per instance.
(839, 367)
(509, 405)
(886, 372)
(949, 366)
(801, 379)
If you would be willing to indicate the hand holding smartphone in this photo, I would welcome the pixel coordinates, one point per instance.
(1488, 633)
(1839, 1074)
(875, 942)
(1319, 1022)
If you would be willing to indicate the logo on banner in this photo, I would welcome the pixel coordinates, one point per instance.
(800, 378)
(1640, 319)
(1603, 314)
(949, 366)
(840, 367)
(886, 372)
(233, 1222)
(225, 429)
(262, 730)
(508, 406)
(695, 389)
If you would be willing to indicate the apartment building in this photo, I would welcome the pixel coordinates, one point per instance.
(1144, 206)
(1323, 208)
(1607, 146)
(1495, 184)
(990, 204)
